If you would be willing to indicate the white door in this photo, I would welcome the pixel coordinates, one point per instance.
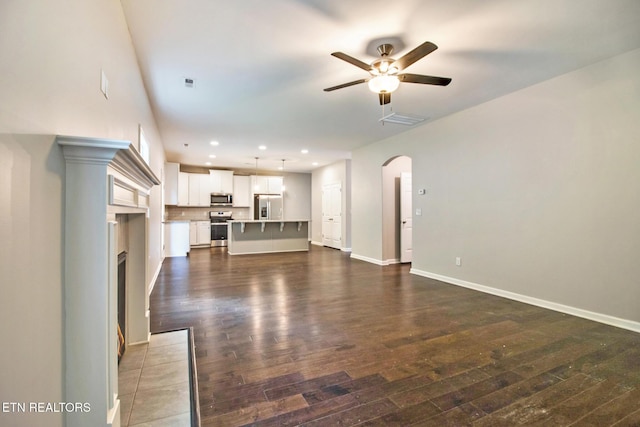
(406, 220)
(332, 215)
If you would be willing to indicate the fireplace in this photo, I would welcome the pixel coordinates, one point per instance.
(105, 181)
(122, 304)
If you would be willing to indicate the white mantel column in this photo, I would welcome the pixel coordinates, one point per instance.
(88, 339)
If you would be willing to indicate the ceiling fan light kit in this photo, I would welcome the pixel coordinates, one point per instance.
(384, 77)
(383, 84)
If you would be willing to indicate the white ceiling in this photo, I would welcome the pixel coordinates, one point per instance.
(260, 66)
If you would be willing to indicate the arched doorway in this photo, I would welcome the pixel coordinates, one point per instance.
(396, 209)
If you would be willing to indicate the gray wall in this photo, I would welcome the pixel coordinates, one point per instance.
(536, 191)
(297, 196)
(52, 54)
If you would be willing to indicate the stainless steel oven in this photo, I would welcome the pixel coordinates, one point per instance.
(219, 227)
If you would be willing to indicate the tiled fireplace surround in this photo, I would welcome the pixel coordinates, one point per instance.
(103, 178)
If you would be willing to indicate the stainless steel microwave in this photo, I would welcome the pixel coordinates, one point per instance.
(220, 199)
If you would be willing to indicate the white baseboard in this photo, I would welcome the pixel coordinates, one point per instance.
(155, 277)
(376, 261)
(585, 314)
(366, 259)
(320, 244)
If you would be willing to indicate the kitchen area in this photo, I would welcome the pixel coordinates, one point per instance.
(212, 208)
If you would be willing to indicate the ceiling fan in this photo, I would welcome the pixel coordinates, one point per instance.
(384, 71)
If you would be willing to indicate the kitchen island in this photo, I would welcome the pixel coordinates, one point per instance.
(264, 236)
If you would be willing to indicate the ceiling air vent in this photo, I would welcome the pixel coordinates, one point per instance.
(190, 83)
(402, 119)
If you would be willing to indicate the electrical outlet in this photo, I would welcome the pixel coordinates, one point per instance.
(422, 191)
(458, 261)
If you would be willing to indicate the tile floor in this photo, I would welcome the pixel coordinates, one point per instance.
(153, 382)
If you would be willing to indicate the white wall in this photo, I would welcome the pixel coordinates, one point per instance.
(536, 191)
(51, 54)
(336, 172)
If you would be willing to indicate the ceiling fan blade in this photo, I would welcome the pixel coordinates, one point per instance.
(420, 52)
(352, 60)
(427, 80)
(355, 82)
(384, 97)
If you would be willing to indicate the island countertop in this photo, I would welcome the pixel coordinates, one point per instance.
(266, 220)
(254, 236)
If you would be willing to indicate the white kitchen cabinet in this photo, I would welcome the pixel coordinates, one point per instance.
(221, 181)
(267, 184)
(194, 189)
(204, 192)
(198, 190)
(183, 189)
(227, 182)
(171, 173)
(203, 234)
(176, 238)
(200, 233)
(275, 184)
(193, 233)
(241, 191)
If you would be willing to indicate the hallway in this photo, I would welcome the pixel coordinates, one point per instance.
(321, 339)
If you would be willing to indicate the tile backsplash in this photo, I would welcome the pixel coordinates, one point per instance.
(188, 213)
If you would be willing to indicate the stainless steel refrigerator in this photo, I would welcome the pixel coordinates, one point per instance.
(267, 206)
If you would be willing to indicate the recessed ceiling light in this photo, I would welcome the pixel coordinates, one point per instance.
(208, 163)
(314, 164)
(304, 151)
(212, 156)
(214, 143)
(262, 147)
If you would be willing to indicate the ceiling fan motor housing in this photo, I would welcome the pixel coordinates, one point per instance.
(383, 65)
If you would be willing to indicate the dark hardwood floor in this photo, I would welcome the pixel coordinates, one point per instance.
(319, 339)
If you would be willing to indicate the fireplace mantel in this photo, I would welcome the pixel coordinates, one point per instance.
(103, 177)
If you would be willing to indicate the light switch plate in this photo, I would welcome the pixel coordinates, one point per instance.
(418, 212)
(422, 191)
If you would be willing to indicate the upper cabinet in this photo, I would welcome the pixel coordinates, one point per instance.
(183, 189)
(171, 171)
(186, 189)
(267, 184)
(194, 189)
(199, 189)
(221, 181)
(241, 191)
